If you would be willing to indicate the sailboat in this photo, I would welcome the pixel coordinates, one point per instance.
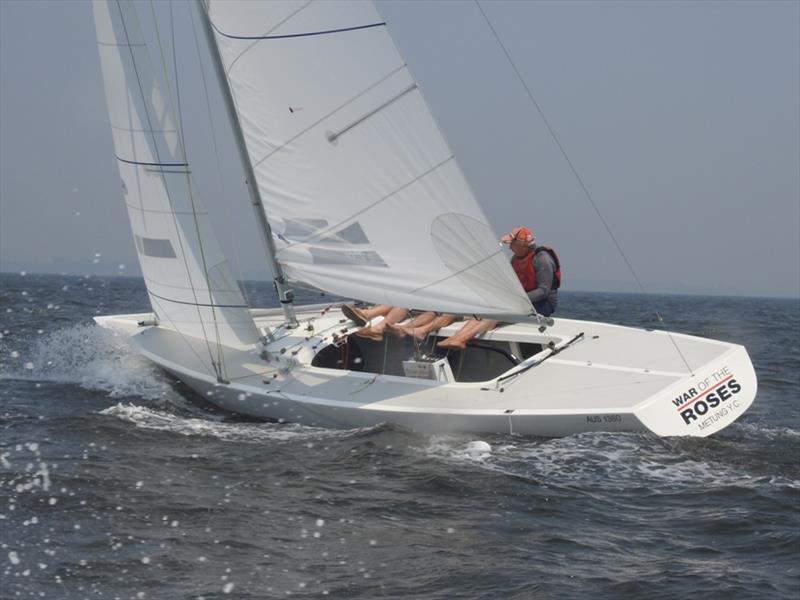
(357, 194)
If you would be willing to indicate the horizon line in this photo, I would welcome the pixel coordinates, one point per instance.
(584, 286)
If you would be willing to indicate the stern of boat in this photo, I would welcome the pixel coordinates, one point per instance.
(705, 402)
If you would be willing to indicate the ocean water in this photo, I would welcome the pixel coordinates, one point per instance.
(117, 482)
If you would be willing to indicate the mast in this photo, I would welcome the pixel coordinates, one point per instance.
(285, 293)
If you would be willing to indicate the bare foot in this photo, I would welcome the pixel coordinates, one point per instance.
(398, 330)
(451, 343)
(420, 333)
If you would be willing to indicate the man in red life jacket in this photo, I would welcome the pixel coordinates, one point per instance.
(539, 272)
(537, 267)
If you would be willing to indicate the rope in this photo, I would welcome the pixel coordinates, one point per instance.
(576, 174)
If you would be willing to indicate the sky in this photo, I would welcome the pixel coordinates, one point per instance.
(681, 118)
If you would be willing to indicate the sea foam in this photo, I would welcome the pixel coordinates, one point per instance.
(91, 357)
(153, 419)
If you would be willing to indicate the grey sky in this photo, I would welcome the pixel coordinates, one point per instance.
(682, 118)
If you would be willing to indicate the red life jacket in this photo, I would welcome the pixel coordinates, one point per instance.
(526, 272)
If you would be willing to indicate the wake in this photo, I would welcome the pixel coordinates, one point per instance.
(157, 420)
(611, 461)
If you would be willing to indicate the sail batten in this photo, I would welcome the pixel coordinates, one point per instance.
(362, 193)
(311, 127)
(296, 35)
(151, 164)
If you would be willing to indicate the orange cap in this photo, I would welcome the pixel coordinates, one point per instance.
(518, 234)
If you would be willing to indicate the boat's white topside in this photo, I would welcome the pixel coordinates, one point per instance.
(611, 377)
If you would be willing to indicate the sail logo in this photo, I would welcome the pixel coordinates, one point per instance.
(708, 394)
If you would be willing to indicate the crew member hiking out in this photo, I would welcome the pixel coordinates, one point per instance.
(539, 272)
(538, 269)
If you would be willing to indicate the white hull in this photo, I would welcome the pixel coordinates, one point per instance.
(611, 378)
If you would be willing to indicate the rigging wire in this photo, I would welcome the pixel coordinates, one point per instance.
(136, 23)
(219, 366)
(157, 156)
(215, 145)
(575, 173)
(220, 351)
(184, 339)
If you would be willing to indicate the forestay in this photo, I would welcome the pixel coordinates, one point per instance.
(364, 197)
(190, 284)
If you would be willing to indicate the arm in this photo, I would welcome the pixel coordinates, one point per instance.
(544, 277)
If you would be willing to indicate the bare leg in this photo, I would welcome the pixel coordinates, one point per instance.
(421, 332)
(404, 329)
(470, 329)
(361, 316)
(381, 310)
(375, 332)
(394, 315)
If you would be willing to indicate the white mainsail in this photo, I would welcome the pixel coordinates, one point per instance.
(190, 284)
(363, 195)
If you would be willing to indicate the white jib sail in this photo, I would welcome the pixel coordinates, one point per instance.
(190, 284)
(363, 195)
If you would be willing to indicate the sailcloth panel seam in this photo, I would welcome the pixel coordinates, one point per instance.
(457, 273)
(182, 287)
(134, 130)
(331, 113)
(182, 337)
(166, 212)
(361, 211)
(118, 45)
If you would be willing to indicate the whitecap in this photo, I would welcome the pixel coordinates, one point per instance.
(148, 418)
